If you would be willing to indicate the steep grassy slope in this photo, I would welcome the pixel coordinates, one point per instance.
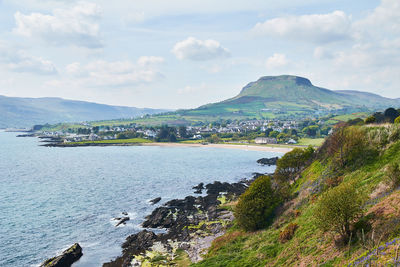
(25, 112)
(378, 241)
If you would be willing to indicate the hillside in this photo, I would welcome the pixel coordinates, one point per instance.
(25, 112)
(362, 161)
(289, 96)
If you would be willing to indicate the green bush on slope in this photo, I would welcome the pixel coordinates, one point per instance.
(291, 163)
(363, 170)
(338, 208)
(256, 207)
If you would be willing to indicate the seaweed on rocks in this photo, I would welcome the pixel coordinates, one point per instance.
(187, 222)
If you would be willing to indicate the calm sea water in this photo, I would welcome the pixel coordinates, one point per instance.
(53, 197)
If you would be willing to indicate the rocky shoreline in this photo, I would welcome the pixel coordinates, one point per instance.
(188, 227)
(190, 224)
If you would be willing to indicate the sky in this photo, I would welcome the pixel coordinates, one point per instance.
(185, 53)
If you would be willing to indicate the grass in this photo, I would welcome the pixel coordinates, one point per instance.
(311, 142)
(309, 246)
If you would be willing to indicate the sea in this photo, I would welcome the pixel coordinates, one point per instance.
(51, 198)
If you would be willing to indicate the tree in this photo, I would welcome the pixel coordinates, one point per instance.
(291, 163)
(166, 134)
(311, 130)
(256, 207)
(214, 139)
(348, 146)
(338, 208)
(273, 134)
(370, 119)
(379, 117)
(391, 114)
(268, 131)
(182, 131)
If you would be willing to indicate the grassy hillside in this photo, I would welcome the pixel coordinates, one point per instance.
(25, 112)
(288, 96)
(279, 97)
(361, 158)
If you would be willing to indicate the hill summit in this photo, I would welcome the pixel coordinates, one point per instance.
(288, 96)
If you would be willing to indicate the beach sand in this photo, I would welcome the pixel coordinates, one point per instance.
(243, 147)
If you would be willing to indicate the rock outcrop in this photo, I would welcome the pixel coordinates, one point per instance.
(268, 161)
(66, 259)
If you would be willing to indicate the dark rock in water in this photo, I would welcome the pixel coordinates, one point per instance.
(199, 188)
(268, 161)
(66, 259)
(155, 201)
(26, 135)
(217, 187)
(176, 216)
(125, 213)
(121, 220)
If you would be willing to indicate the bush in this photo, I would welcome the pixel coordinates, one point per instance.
(397, 120)
(288, 232)
(370, 119)
(349, 147)
(256, 207)
(393, 175)
(391, 114)
(338, 209)
(291, 163)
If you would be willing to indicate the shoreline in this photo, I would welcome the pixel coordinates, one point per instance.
(279, 149)
(191, 223)
(231, 146)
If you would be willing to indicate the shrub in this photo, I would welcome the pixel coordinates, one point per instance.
(370, 119)
(256, 207)
(291, 163)
(391, 114)
(349, 147)
(397, 120)
(333, 181)
(288, 232)
(338, 209)
(393, 175)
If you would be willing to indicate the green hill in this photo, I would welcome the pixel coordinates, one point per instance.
(25, 112)
(289, 96)
(357, 167)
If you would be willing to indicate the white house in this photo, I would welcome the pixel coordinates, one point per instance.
(265, 140)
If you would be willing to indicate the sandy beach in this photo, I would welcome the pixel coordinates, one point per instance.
(243, 147)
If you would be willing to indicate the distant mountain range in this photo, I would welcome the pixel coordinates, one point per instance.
(25, 112)
(289, 96)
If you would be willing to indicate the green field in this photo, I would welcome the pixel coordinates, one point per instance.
(311, 141)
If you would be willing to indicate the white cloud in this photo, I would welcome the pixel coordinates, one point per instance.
(27, 63)
(20, 61)
(192, 89)
(276, 61)
(77, 26)
(322, 53)
(384, 18)
(147, 61)
(199, 50)
(321, 28)
(116, 73)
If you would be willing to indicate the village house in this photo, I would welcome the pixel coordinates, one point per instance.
(265, 140)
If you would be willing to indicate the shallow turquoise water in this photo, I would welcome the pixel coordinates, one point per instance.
(53, 197)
